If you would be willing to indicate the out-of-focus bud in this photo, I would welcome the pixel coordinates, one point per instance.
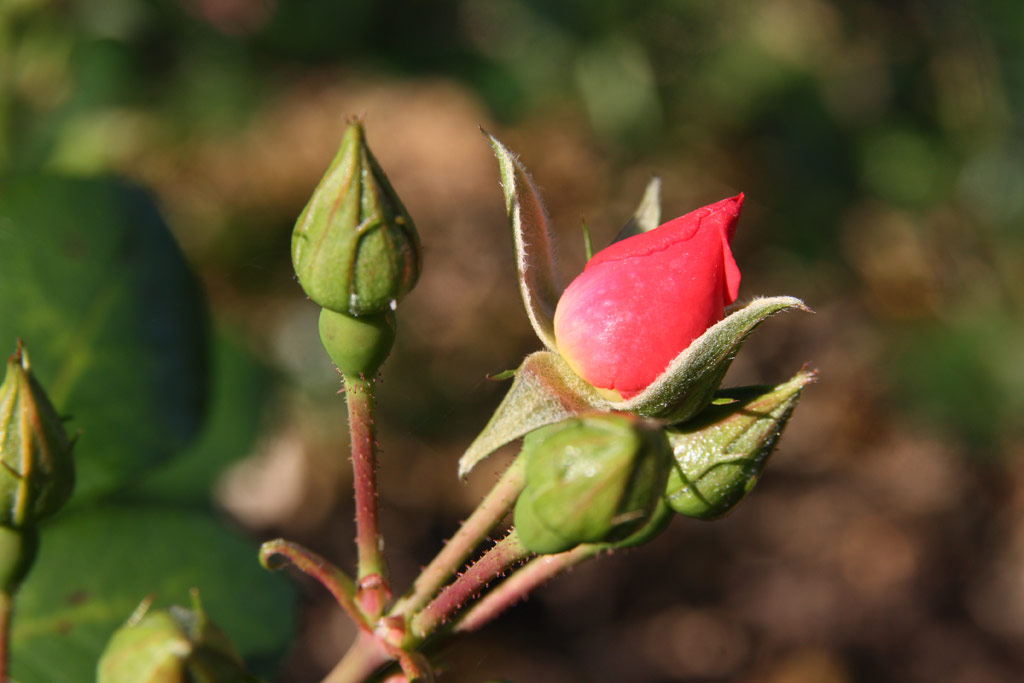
(721, 453)
(18, 548)
(354, 247)
(590, 479)
(175, 645)
(358, 346)
(37, 472)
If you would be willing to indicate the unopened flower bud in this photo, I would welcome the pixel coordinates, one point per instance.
(175, 645)
(354, 247)
(358, 346)
(37, 472)
(590, 479)
(721, 453)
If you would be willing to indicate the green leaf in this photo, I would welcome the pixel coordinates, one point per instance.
(96, 566)
(690, 380)
(544, 391)
(96, 286)
(240, 393)
(531, 234)
(647, 215)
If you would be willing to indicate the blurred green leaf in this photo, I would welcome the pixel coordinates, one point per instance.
(96, 566)
(96, 286)
(241, 387)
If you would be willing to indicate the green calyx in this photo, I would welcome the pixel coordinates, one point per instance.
(357, 346)
(175, 645)
(591, 479)
(37, 471)
(354, 247)
(720, 454)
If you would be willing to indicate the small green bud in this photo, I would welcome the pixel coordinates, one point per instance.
(354, 247)
(18, 548)
(590, 479)
(358, 346)
(37, 472)
(720, 454)
(175, 645)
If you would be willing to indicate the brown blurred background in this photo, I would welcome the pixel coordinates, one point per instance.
(879, 144)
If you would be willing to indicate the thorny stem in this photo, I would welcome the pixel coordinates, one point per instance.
(6, 606)
(474, 530)
(504, 555)
(316, 567)
(521, 583)
(373, 587)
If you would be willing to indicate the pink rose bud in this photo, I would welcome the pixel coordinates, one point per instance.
(639, 303)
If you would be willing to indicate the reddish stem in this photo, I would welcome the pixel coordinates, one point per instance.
(504, 555)
(315, 566)
(474, 530)
(373, 585)
(524, 581)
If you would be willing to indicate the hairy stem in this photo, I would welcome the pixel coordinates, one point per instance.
(330, 577)
(505, 554)
(521, 583)
(373, 586)
(474, 530)
(365, 656)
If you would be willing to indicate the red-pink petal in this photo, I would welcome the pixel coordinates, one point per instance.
(640, 302)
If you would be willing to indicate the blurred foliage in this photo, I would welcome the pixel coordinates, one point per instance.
(881, 147)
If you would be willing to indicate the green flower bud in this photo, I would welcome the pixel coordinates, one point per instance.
(37, 472)
(358, 346)
(18, 548)
(590, 479)
(720, 454)
(354, 247)
(175, 645)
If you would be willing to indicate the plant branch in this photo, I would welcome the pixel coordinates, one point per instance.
(474, 530)
(521, 583)
(330, 577)
(505, 554)
(365, 656)
(373, 587)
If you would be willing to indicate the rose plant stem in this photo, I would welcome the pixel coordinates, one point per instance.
(372, 574)
(521, 583)
(365, 656)
(505, 554)
(474, 530)
(6, 606)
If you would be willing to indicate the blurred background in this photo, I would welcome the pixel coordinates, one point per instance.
(880, 147)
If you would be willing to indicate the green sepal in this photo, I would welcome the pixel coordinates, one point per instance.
(690, 380)
(531, 236)
(647, 215)
(545, 390)
(720, 455)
